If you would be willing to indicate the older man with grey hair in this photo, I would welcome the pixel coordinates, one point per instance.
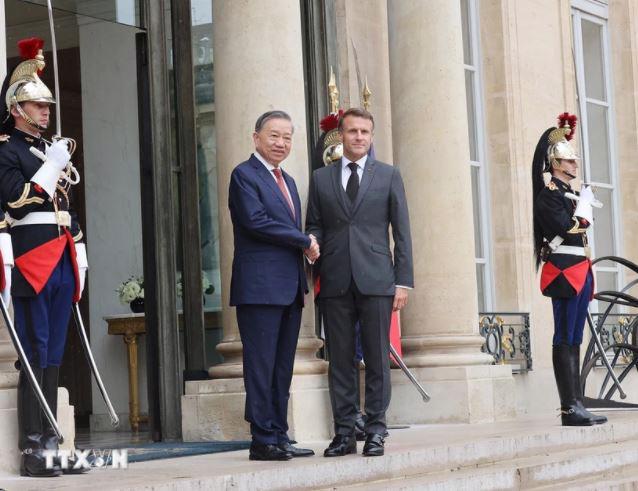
(268, 282)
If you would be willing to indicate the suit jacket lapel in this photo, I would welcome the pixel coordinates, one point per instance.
(341, 195)
(366, 180)
(270, 182)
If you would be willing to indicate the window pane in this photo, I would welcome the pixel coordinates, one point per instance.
(476, 201)
(606, 281)
(603, 224)
(471, 114)
(593, 56)
(467, 40)
(120, 11)
(480, 287)
(598, 136)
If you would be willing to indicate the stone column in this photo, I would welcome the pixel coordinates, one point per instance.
(429, 122)
(258, 66)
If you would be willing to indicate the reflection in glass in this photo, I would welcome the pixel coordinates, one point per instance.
(480, 285)
(598, 141)
(606, 281)
(593, 57)
(202, 45)
(465, 19)
(120, 11)
(471, 114)
(476, 209)
(603, 224)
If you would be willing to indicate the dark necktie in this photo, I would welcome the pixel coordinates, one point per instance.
(352, 188)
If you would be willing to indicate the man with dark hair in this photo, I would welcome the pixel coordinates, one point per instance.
(351, 206)
(268, 282)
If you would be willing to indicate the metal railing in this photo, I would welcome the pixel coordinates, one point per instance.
(507, 338)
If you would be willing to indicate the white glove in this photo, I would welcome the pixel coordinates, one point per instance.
(584, 207)
(58, 155)
(83, 264)
(55, 159)
(7, 258)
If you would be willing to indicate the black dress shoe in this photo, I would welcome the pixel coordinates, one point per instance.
(374, 445)
(578, 415)
(261, 451)
(33, 464)
(295, 451)
(341, 445)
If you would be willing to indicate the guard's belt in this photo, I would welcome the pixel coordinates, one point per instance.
(574, 250)
(61, 218)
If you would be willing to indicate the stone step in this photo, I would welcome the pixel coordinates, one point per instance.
(624, 480)
(569, 469)
(539, 448)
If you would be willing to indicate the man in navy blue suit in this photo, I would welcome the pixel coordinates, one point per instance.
(268, 282)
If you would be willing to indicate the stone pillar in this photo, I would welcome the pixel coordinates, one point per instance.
(429, 121)
(258, 67)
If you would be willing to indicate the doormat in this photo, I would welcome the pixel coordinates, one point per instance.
(169, 450)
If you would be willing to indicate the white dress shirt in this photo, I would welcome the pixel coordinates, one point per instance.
(346, 172)
(345, 175)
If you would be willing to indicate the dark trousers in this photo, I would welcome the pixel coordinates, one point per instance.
(269, 336)
(570, 315)
(340, 316)
(42, 321)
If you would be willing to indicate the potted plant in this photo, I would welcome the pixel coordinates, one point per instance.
(131, 292)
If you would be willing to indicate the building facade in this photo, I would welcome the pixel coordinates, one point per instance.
(162, 96)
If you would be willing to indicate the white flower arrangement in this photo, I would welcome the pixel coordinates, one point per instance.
(130, 290)
(207, 286)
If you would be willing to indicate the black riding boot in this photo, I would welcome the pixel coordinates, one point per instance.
(575, 361)
(568, 383)
(33, 462)
(50, 439)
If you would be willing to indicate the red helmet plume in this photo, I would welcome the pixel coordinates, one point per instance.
(331, 121)
(29, 47)
(566, 119)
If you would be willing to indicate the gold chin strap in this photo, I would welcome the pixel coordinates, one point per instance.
(28, 118)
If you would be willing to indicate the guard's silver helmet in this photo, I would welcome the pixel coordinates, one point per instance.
(25, 84)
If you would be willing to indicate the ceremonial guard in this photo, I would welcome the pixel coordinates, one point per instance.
(50, 259)
(561, 219)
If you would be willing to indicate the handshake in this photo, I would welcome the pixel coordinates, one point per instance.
(312, 253)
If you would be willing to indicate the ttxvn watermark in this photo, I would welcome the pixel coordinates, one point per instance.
(87, 459)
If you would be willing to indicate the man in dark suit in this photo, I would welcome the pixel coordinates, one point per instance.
(268, 282)
(351, 206)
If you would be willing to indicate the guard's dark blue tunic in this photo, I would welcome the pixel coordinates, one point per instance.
(44, 279)
(566, 278)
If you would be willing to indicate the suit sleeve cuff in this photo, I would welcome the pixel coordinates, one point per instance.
(405, 287)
